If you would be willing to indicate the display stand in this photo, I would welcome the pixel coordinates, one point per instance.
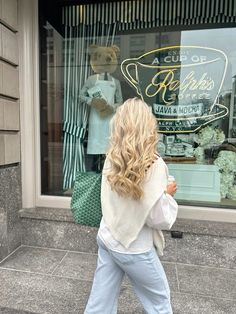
(196, 182)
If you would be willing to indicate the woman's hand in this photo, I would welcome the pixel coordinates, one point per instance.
(171, 188)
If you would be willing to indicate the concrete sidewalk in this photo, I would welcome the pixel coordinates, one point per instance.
(43, 280)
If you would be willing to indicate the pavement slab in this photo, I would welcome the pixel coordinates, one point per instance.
(208, 281)
(50, 281)
(39, 260)
(194, 304)
(207, 250)
(39, 293)
(5, 310)
(77, 265)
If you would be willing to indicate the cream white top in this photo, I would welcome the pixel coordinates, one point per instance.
(125, 217)
(162, 215)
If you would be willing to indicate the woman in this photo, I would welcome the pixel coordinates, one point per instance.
(136, 203)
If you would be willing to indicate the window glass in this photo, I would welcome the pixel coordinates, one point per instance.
(187, 76)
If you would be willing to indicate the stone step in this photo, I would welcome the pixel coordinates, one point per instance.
(204, 243)
(7, 310)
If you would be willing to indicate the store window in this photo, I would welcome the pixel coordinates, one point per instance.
(187, 75)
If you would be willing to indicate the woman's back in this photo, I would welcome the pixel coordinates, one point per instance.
(133, 198)
(125, 216)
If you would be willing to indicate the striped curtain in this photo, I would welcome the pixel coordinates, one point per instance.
(76, 71)
(152, 13)
(96, 24)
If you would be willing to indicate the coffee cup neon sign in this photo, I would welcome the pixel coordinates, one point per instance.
(181, 83)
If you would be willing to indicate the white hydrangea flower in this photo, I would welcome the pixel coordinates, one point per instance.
(228, 154)
(232, 193)
(205, 136)
(226, 161)
(219, 136)
(227, 178)
(209, 137)
(199, 154)
(223, 190)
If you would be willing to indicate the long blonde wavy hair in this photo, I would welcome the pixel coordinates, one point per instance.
(132, 147)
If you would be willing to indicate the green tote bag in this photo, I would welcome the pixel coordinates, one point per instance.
(86, 199)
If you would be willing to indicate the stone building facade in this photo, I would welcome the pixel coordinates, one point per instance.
(10, 178)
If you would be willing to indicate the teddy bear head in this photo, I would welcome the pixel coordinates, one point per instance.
(103, 59)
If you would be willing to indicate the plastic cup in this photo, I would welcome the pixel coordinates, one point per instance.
(171, 179)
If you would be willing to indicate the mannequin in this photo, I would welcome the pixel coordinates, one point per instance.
(102, 93)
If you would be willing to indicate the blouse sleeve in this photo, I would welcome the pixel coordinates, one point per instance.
(163, 214)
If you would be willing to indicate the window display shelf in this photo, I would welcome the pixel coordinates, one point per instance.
(232, 139)
(196, 182)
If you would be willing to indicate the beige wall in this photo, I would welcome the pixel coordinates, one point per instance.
(9, 84)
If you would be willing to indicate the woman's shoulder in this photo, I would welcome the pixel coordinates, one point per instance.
(159, 164)
(159, 160)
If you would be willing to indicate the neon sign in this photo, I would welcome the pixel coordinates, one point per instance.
(181, 83)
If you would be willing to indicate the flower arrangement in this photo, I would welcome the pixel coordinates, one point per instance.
(209, 137)
(226, 161)
(199, 154)
(232, 192)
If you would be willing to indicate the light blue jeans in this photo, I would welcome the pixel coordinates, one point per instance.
(145, 272)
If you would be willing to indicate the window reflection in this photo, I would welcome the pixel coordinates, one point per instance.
(205, 157)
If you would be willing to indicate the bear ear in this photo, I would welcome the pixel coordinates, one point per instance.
(92, 49)
(116, 49)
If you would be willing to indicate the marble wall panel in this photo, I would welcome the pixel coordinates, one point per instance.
(10, 148)
(2, 150)
(8, 13)
(60, 235)
(10, 203)
(9, 45)
(3, 234)
(9, 82)
(9, 115)
(1, 115)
